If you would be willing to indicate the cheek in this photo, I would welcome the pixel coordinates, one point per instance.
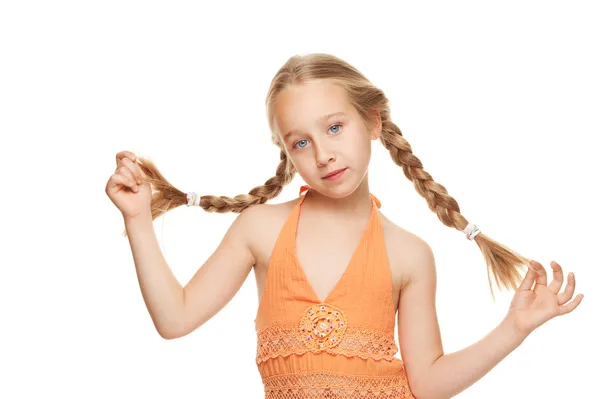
(301, 163)
(304, 168)
(360, 148)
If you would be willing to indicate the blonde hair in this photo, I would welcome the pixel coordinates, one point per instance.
(368, 100)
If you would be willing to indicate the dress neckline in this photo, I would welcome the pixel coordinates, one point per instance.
(375, 203)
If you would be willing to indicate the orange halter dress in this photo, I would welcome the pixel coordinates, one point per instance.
(342, 347)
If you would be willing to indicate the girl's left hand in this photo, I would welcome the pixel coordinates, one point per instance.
(530, 308)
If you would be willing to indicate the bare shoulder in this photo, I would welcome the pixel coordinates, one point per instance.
(406, 251)
(418, 328)
(223, 273)
(262, 223)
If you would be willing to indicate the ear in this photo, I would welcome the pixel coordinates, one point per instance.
(376, 130)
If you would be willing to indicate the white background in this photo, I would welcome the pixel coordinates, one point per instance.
(498, 100)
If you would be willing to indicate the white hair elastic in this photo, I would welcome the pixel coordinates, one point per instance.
(471, 231)
(193, 199)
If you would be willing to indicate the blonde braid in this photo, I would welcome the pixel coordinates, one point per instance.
(258, 195)
(165, 196)
(502, 262)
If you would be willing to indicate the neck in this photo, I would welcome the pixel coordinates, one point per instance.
(357, 203)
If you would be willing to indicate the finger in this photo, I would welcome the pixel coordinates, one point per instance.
(135, 170)
(117, 179)
(123, 154)
(569, 307)
(527, 282)
(541, 273)
(124, 171)
(569, 289)
(557, 281)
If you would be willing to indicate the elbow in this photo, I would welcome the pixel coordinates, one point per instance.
(415, 388)
(170, 334)
(171, 331)
(174, 328)
(420, 394)
(178, 324)
(167, 334)
(417, 394)
(420, 391)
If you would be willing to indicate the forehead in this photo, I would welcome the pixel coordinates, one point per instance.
(303, 106)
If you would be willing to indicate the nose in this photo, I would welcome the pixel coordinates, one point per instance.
(324, 154)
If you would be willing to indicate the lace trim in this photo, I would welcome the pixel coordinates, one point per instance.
(278, 340)
(325, 384)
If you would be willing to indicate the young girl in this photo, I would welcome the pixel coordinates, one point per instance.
(332, 271)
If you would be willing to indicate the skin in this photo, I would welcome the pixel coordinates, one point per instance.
(334, 213)
(317, 147)
(331, 222)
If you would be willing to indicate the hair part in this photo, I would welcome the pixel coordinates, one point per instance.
(371, 104)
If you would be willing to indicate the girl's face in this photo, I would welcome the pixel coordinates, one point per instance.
(322, 132)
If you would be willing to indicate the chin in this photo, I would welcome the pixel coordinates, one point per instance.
(336, 194)
(338, 191)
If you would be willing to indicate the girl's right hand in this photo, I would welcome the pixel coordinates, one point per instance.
(126, 189)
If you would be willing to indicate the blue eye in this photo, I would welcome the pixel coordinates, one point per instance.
(294, 146)
(332, 126)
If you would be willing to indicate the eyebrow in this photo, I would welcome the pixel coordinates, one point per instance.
(323, 118)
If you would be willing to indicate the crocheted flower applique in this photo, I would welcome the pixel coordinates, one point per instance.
(322, 326)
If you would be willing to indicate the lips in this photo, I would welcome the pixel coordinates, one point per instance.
(333, 173)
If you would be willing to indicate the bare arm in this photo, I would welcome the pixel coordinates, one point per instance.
(455, 372)
(433, 374)
(175, 310)
(418, 328)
